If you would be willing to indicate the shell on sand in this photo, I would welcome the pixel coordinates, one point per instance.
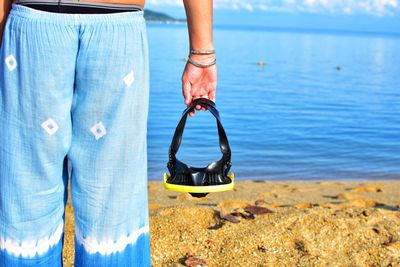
(231, 218)
(257, 210)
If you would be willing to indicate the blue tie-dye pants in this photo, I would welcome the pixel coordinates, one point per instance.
(74, 102)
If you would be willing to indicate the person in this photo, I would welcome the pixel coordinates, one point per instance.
(74, 92)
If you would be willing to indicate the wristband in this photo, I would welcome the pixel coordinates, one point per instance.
(202, 65)
(202, 52)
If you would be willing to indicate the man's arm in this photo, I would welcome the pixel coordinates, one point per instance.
(199, 81)
(199, 18)
(4, 10)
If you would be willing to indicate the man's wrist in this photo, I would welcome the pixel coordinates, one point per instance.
(203, 64)
(202, 58)
(201, 45)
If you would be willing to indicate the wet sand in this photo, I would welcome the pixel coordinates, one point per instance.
(265, 223)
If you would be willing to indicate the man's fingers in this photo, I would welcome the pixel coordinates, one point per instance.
(186, 91)
(211, 95)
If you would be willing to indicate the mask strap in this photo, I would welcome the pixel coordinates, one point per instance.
(223, 140)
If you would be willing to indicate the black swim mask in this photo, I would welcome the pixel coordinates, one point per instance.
(199, 182)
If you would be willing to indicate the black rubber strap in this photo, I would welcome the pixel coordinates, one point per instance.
(223, 140)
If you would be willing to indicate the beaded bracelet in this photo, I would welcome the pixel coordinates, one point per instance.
(202, 65)
(202, 52)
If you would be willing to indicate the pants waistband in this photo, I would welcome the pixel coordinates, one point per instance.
(74, 19)
(78, 3)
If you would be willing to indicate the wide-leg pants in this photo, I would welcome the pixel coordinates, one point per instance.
(74, 92)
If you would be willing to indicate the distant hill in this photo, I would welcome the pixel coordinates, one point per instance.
(151, 15)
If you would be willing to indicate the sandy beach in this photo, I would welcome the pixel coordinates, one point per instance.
(268, 223)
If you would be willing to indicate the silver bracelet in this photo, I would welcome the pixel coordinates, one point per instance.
(202, 65)
(202, 52)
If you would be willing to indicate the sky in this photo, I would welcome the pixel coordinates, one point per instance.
(353, 15)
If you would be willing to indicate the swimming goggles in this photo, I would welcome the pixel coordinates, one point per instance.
(215, 177)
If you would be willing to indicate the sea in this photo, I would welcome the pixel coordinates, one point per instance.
(295, 104)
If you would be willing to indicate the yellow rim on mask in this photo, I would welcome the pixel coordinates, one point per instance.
(199, 189)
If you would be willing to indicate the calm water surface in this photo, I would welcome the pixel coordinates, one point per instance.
(298, 117)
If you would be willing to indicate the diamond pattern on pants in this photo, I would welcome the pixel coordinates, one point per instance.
(98, 130)
(129, 79)
(11, 62)
(50, 126)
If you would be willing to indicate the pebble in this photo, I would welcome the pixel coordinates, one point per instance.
(244, 214)
(195, 262)
(230, 218)
(257, 210)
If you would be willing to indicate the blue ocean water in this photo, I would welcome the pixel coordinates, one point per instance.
(325, 105)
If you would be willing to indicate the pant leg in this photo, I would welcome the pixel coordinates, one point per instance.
(37, 72)
(108, 151)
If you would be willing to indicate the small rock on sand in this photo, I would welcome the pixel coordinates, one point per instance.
(230, 218)
(195, 262)
(257, 210)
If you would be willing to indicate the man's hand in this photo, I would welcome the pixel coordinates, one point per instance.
(199, 82)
